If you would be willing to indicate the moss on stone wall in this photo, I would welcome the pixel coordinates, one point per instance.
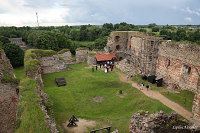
(30, 117)
(7, 79)
(91, 54)
(82, 48)
(63, 51)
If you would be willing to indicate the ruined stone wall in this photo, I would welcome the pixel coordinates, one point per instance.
(81, 55)
(8, 96)
(142, 122)
(36, 74)
(178, 65)
(53, 64)
(66, 56)
(139, 49)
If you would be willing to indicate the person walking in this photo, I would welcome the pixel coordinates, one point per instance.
(147, 86)
(96, 67)
(92, 69)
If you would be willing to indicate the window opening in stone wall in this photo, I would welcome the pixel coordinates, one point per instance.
(117, 38)
(128, 61)
(168, 63)
(120, 58)
(152, 42)
(186, 69)
(129, 46)
(0, 56)
(118, 47)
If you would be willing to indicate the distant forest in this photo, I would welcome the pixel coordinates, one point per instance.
(91, 36)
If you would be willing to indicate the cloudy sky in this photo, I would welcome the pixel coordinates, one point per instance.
(76, 12)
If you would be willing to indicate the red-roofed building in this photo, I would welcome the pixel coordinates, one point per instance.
(100, 57)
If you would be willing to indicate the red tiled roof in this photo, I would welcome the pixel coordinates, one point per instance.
(105, 56)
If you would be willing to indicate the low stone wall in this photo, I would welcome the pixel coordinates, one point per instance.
(91, 60)
(66, 56)
(53, 64)
(81, 55)
(142, 122)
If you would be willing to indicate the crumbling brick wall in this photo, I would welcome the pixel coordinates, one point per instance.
(178, 65)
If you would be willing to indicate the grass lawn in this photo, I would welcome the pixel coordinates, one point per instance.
(184, 98)
(83, 85)
(138, 78)
(19, 73)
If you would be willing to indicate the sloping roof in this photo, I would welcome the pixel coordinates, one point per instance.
(105, 56)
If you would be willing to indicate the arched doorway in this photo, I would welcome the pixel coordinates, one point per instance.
(117, 38)
(118, 47)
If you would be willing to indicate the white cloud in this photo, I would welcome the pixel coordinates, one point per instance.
(188, 19)
(191, 11)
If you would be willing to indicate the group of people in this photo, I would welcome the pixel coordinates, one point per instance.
(106, 66)
(142, 86)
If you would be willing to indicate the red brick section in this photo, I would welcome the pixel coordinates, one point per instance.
(105, 56)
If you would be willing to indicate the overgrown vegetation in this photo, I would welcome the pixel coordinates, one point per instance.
(7, 79)
(30, 118)
(83, 85)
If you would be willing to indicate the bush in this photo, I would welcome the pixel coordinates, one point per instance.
(14, 53)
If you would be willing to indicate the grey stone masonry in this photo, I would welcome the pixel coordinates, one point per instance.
(81, 55)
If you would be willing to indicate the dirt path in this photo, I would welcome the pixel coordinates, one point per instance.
(156, 95)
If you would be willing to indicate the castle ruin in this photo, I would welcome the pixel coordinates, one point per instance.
(177, 64)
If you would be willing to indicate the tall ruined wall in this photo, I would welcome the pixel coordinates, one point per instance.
(178, 65)
(8, 95)
(81, 55)
(139, 49)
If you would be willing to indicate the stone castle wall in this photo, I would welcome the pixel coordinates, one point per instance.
(139, 49)
(179, 65)
(8, 96)
(81, 55)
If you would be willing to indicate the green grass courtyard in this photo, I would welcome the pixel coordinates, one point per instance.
(83, 85)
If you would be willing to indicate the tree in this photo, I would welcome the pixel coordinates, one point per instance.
(100, 43)
(155, 29)
(14, 53)
(152, 25)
